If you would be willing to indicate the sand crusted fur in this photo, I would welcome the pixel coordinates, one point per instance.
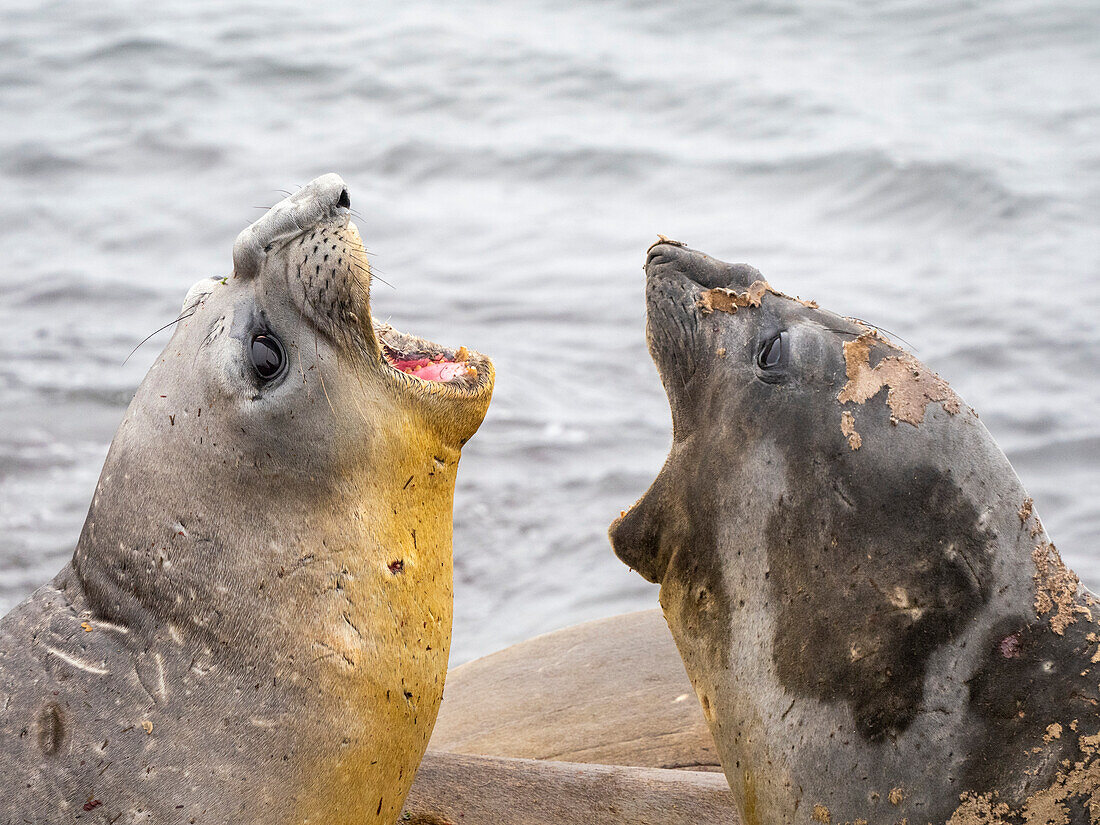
(1056, 586)
(728, 300)
(1076, 782)
(848, 427)
(912, 386)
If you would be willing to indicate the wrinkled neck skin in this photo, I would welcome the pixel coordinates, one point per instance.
(386, 505)
(939, 668)
(318, 579)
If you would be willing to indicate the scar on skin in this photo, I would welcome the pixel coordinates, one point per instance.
(848, 427)
(912, 386)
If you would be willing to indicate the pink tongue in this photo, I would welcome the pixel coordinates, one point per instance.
(432, 370)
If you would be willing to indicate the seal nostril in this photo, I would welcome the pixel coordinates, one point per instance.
(344, 200)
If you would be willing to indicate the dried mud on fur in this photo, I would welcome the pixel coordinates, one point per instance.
(722, 299)
(911, 386)
(848, 427)
(1076, 782)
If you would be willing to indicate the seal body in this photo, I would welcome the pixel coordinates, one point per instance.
(255, 623)
(594, 724)
(876, 625)
(574, 695)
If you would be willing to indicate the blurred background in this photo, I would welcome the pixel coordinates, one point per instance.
(933, 168)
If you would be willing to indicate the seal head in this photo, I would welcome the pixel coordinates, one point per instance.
(841, 549)
(256, 621)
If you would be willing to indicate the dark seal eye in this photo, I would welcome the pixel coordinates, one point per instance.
(268, 356)
(772, 352)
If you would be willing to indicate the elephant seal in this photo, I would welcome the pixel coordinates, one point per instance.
(592, 724)
(875, 622)
(255, 623)
(611, 691)
(457, 788)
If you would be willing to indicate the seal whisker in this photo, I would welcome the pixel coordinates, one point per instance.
(884, 329)
(154, 332)
(298, 347)
(370, 270)
(320, 373)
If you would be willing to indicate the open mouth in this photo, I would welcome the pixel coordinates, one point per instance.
(427, 361)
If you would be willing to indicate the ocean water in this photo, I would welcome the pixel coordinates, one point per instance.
(933, 168)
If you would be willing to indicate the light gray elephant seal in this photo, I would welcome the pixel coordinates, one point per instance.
(255, 624)
(873, 618)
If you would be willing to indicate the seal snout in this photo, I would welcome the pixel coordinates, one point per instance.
(322, 201)
(663, 251)
(672, 257)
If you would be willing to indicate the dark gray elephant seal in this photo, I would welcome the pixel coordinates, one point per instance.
(255, 623)
(873, 618)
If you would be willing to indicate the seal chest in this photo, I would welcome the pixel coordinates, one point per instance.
(875, 622)
(255, 624)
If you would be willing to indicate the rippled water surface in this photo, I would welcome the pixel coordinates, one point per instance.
(934, 168)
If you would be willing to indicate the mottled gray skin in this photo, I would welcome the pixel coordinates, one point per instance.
(232, 641)
(877, 631)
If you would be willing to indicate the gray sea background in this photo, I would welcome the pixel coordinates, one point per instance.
(933, 168)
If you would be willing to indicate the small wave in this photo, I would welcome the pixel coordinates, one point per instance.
(184, 151)
(267, 70)
(877, 186)
(65, 288)
(871, 185)
(422, 160)
(127, 49)
(34, 160)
